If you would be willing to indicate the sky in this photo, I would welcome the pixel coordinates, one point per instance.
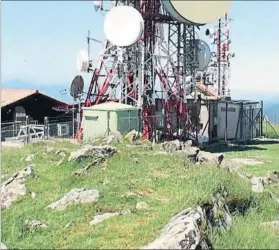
(40, 40)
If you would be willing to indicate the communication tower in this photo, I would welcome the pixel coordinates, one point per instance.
(150, 57)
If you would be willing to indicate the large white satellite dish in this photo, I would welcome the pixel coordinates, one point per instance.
(82, 61)
(123, 26)
(196, 12)
(203, 54)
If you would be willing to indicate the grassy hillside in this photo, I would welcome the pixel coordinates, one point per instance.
(164, 182)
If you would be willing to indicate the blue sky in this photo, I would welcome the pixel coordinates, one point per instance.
(40, 41)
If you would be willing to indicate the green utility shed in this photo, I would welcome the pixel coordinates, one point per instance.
(100, 119)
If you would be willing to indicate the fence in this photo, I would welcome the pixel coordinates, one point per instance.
(61, 127)
(30, 130)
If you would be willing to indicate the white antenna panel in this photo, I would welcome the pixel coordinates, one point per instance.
(82, 61)
(123, 26)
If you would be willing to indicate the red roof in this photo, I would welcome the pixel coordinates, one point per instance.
(9, 96)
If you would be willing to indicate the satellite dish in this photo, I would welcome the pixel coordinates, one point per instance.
(196, 12)
(77, 86)
(203, 54)
(82, 61)
(123, 26)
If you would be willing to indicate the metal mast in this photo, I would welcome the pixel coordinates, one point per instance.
(153, 69)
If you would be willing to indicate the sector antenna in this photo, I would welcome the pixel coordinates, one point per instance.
(149, 58)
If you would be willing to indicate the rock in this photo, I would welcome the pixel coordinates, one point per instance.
(30, 158)
(87, 167)
(186, 229)
(136, 160)
(33, 195)
(49, 149)
(33, 225)
(208, 157)
(131, 195)
(142, 205)
(99, 218)
(272, 224)
(75, 196)
(187, 144)
(126, 212)
(257, 184)
(273, 177)
(69, 224)
(182, 232)
(171, 146)
(133, 136)
(114, 137)
(92, 151)
(14, 187)
(3, 246)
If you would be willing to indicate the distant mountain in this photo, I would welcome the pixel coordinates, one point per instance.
(272, 112)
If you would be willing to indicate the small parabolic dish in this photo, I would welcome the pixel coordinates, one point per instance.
(196, 12)
(203, 54)
(82, 61)
(77, 86)
(123, 26)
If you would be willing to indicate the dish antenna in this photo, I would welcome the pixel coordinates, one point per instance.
(123, 26)
(82, 62)
(77, 87)
(196, 12)
(203, 54)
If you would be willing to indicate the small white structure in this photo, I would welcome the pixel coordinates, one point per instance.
(99, 120)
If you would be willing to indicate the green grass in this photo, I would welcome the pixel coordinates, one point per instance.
(163, 182)
(269, 131)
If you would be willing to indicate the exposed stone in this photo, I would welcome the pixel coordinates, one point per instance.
(33, 225)
(87, 167)
(114, 137)
(131, 195)
(182, 232)
(14, 187)
(171, 146)
(87, 151)
(126, 212)
(142, 205)
(3, 246)
(49, 149)
(81, 195)
(33, 195)
(99, 218)
(133, 136)
(257, 184)
(273, 177)
(69, 224)
(186, 229)
(209, 158)
(30, 158)
(272, 224)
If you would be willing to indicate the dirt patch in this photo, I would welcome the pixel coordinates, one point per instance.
(247, 161)
(12, 144)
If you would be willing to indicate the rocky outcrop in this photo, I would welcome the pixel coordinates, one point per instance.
(3, 247)
(76, 196)
(34, 225)
(15, 187)
(99, 218)
(186, 229)
(87, 151)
